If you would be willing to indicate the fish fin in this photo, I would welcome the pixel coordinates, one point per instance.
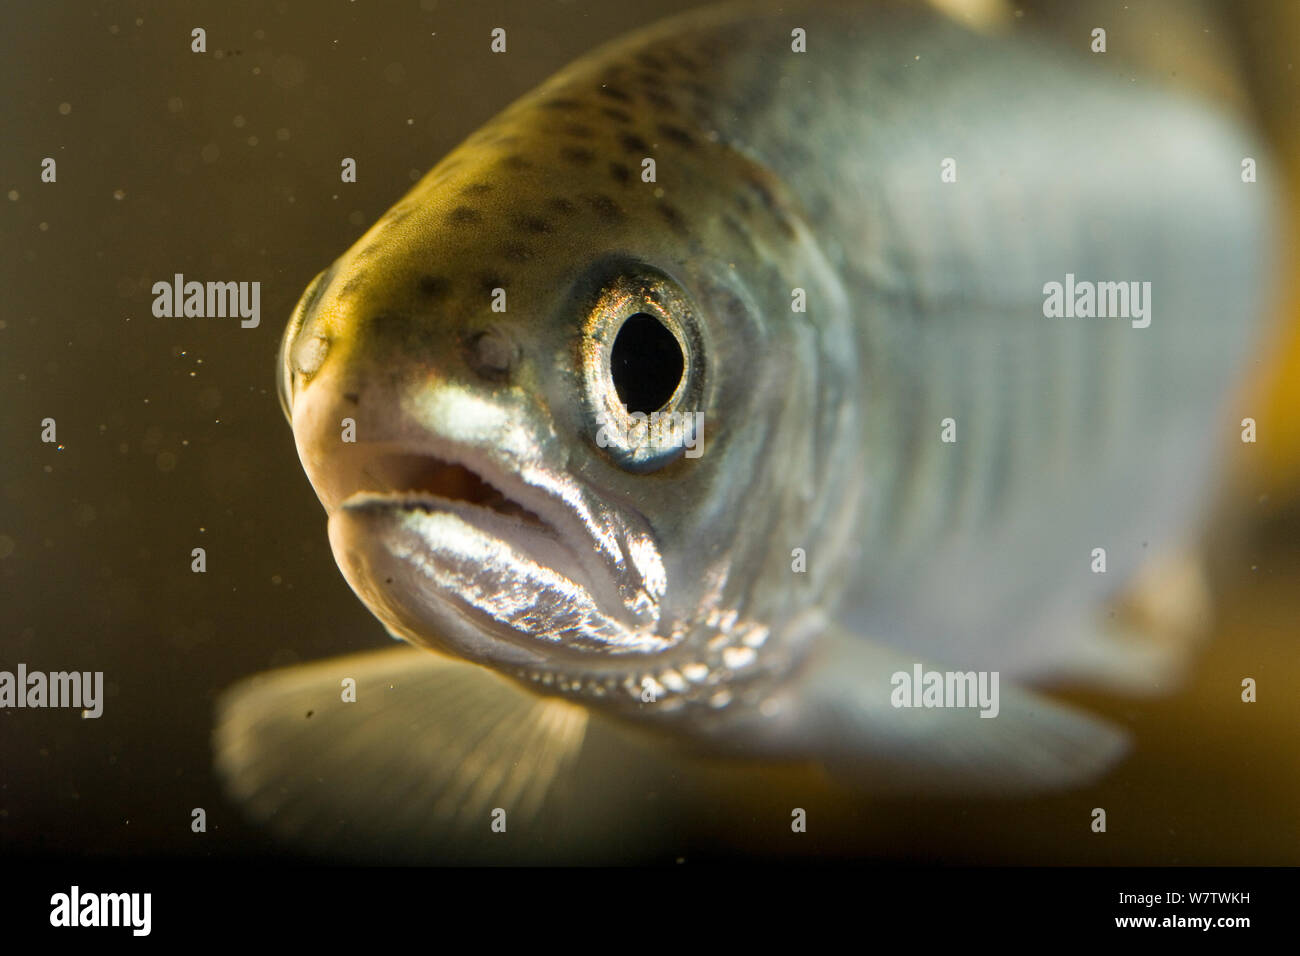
(415, 767)
(1144, 644)
(1033, 744)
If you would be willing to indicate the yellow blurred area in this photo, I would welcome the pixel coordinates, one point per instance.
(1270, 44)
(1276, 390)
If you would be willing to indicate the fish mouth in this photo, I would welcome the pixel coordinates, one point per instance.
(453, 553)
(430, 486)
(427, 480)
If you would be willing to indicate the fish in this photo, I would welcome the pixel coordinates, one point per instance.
(709, 400)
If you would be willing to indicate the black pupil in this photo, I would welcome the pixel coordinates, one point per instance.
(646, 363)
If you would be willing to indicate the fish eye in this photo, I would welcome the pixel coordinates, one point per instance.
(643, 369)
(646, 363)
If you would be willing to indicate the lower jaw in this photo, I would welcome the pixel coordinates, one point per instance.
(434, 589)
(400, 596)
(396, 592)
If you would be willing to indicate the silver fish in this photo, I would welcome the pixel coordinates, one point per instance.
(817, 311)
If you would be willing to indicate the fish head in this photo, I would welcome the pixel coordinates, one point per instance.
(551, 417)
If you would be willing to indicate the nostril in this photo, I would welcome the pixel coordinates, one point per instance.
(491, 354)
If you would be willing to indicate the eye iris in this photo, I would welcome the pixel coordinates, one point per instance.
(646, 363)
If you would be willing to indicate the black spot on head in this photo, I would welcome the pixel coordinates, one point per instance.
(578, 130)
(515, 161)
(708, 50)
(620, 173)
(577, 155)
(680, 59)
(733, 224)
(673, 218)
(532, 224)
(476, 189)
(562, 206)
(465, 214)
(488, 281)
(516, 252)
(634, 144)
(760, 189)
(770, 203)
(732, 305)
(613, 93)
(393, 327)
(603, 206)
(616, 114)
(352, 397)
(660, 100)
(434, 286)
(677, 135)
(564, 103)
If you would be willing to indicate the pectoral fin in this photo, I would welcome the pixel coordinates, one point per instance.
(847, 717)
(420, 766)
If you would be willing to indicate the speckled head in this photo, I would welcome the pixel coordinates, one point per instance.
(473, 390)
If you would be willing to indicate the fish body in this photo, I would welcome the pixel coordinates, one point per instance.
(890, 456)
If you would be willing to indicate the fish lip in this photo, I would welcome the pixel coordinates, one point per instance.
(550, 508)
(577, 535)
(408, 606)
(436, 594)
(503, 527)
